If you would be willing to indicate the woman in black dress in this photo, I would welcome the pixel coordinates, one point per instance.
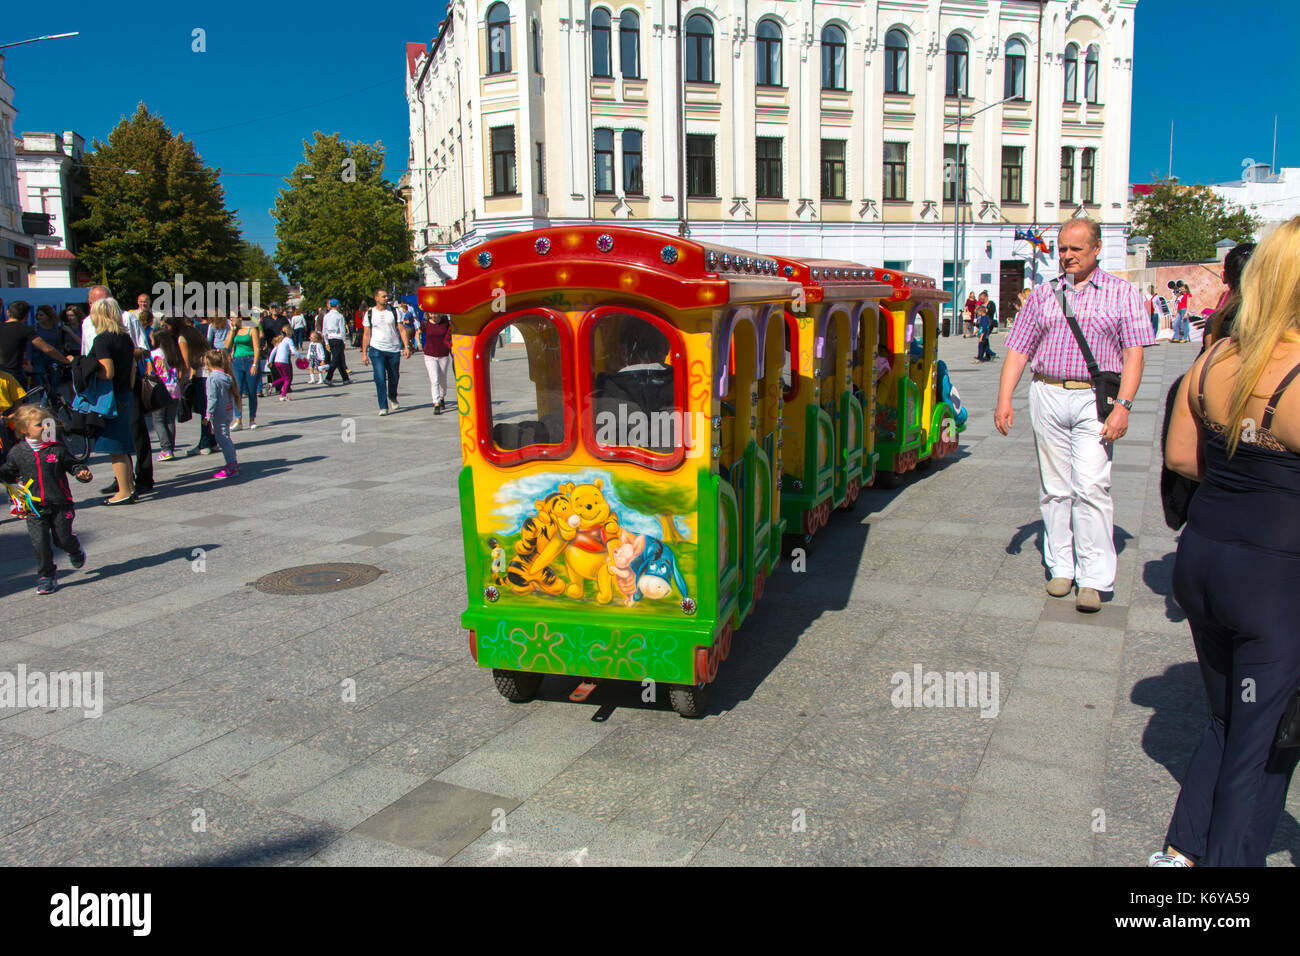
(116, 354)
(1236, 429)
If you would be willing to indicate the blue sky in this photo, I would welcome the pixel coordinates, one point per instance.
(275, 72)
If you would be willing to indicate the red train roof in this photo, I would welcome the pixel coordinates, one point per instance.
(844, 279)
(678, 273)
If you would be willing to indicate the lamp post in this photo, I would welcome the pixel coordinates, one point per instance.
(52, 36)
(958, 236)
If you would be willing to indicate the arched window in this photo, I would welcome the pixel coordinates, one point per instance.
(601, 57)
(958, 84)
(1071, 74)
(524, 411)
(769, 53)
(629, 44)
(498, 33)
(1091, 68)
(834, 58)
(895, 62)
(1015, 76)
(699, 49)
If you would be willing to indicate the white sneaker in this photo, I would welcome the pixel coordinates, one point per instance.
(393, 404)
(383, 411)
(234, 426)
(252, 425)
(1168, 859)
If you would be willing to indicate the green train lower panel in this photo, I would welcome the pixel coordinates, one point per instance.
(800, 493)
(584, 645)
(898, 426)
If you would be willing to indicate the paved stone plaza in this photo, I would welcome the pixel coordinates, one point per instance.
(226, 737)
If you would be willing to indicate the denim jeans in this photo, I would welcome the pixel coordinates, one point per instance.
(1181, 327)
(247, 383)
(387, 366)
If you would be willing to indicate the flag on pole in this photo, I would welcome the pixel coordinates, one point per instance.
(1035, 239)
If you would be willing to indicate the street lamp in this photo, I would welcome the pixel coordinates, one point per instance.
(53, 36)
(958, 184)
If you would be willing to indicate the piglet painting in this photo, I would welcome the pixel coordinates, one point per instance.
(621, 557)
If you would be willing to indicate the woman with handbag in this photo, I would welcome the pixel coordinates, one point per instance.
(115, 352)
(193, 346)
(1236, 429)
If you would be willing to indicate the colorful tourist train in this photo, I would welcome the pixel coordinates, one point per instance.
(644, 420)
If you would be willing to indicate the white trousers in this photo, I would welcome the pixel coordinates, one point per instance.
(439, 368)
(1074, 485)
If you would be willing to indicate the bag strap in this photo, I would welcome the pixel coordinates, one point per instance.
(1093, 369)
(1267, 419)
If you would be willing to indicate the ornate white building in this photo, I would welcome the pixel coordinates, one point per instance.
(17, 254)
(824, 128)
(46, 165)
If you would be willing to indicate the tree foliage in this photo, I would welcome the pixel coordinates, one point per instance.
(257, 266)
(340, 226)
(1185, 222)
(167, 217)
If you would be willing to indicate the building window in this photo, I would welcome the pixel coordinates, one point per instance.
(629, 44)
(957, 82)
(601, 57)
(503, 161)
(770, 182)
(834, 58)
(1067, 174)
(1013, 158)
(834, 185)
(604, 140)
(1091, 68)
(537, 47)
(954, 171)
(1071, 74)
(1087, 176)
(632, 184)
(699, 167)
(699, 49)
(895, 62)
(1015, 75)
(769, 54)
(498, 31)
(948, 273)
(895, 171)
(541, 170)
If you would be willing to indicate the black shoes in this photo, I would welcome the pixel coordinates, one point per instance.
(128, 500)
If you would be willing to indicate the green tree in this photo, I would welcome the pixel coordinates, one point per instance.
(663, 501)
(257, 266)
(1184, 222)
(340, 226)
(152, 210)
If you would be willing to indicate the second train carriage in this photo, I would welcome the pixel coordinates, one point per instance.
(642, 419)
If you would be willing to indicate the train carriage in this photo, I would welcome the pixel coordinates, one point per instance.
(630, 458)
(916, 421)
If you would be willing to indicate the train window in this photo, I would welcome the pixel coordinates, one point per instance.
(633, 380)
(790, 362)
(523, 360)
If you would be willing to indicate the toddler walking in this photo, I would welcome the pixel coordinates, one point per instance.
(316, 359)
(41, 462)
(222, 394)
(282, 355)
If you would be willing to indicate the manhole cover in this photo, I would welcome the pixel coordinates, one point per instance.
(317, 578)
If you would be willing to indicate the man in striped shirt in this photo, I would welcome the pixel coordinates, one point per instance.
(1074, 447)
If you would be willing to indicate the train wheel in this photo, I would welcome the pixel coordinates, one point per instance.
(760, 585)
(516, 686)
(692, 702)
(809, 524)
(724, 644)
(888, 479)
(851, 495)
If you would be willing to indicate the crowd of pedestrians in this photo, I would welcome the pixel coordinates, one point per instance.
(138, 376)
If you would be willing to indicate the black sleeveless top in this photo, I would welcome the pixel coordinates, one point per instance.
(1252, 498)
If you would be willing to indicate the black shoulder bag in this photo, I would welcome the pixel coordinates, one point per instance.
(1105, 385)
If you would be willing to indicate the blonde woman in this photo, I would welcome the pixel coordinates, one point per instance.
(115, 352)
(1236, 429)
(218, 331)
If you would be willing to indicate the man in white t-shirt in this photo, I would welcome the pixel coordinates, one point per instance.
(334, 329)
(96, 293)
(384, 343)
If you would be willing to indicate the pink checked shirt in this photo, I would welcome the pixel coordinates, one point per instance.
(1110, 313)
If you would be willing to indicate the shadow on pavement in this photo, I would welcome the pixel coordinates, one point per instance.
(1178, 719)
(1159, 577)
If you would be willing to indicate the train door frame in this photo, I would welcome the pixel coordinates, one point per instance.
(838, 315)
(866, 324)
(740, 340)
